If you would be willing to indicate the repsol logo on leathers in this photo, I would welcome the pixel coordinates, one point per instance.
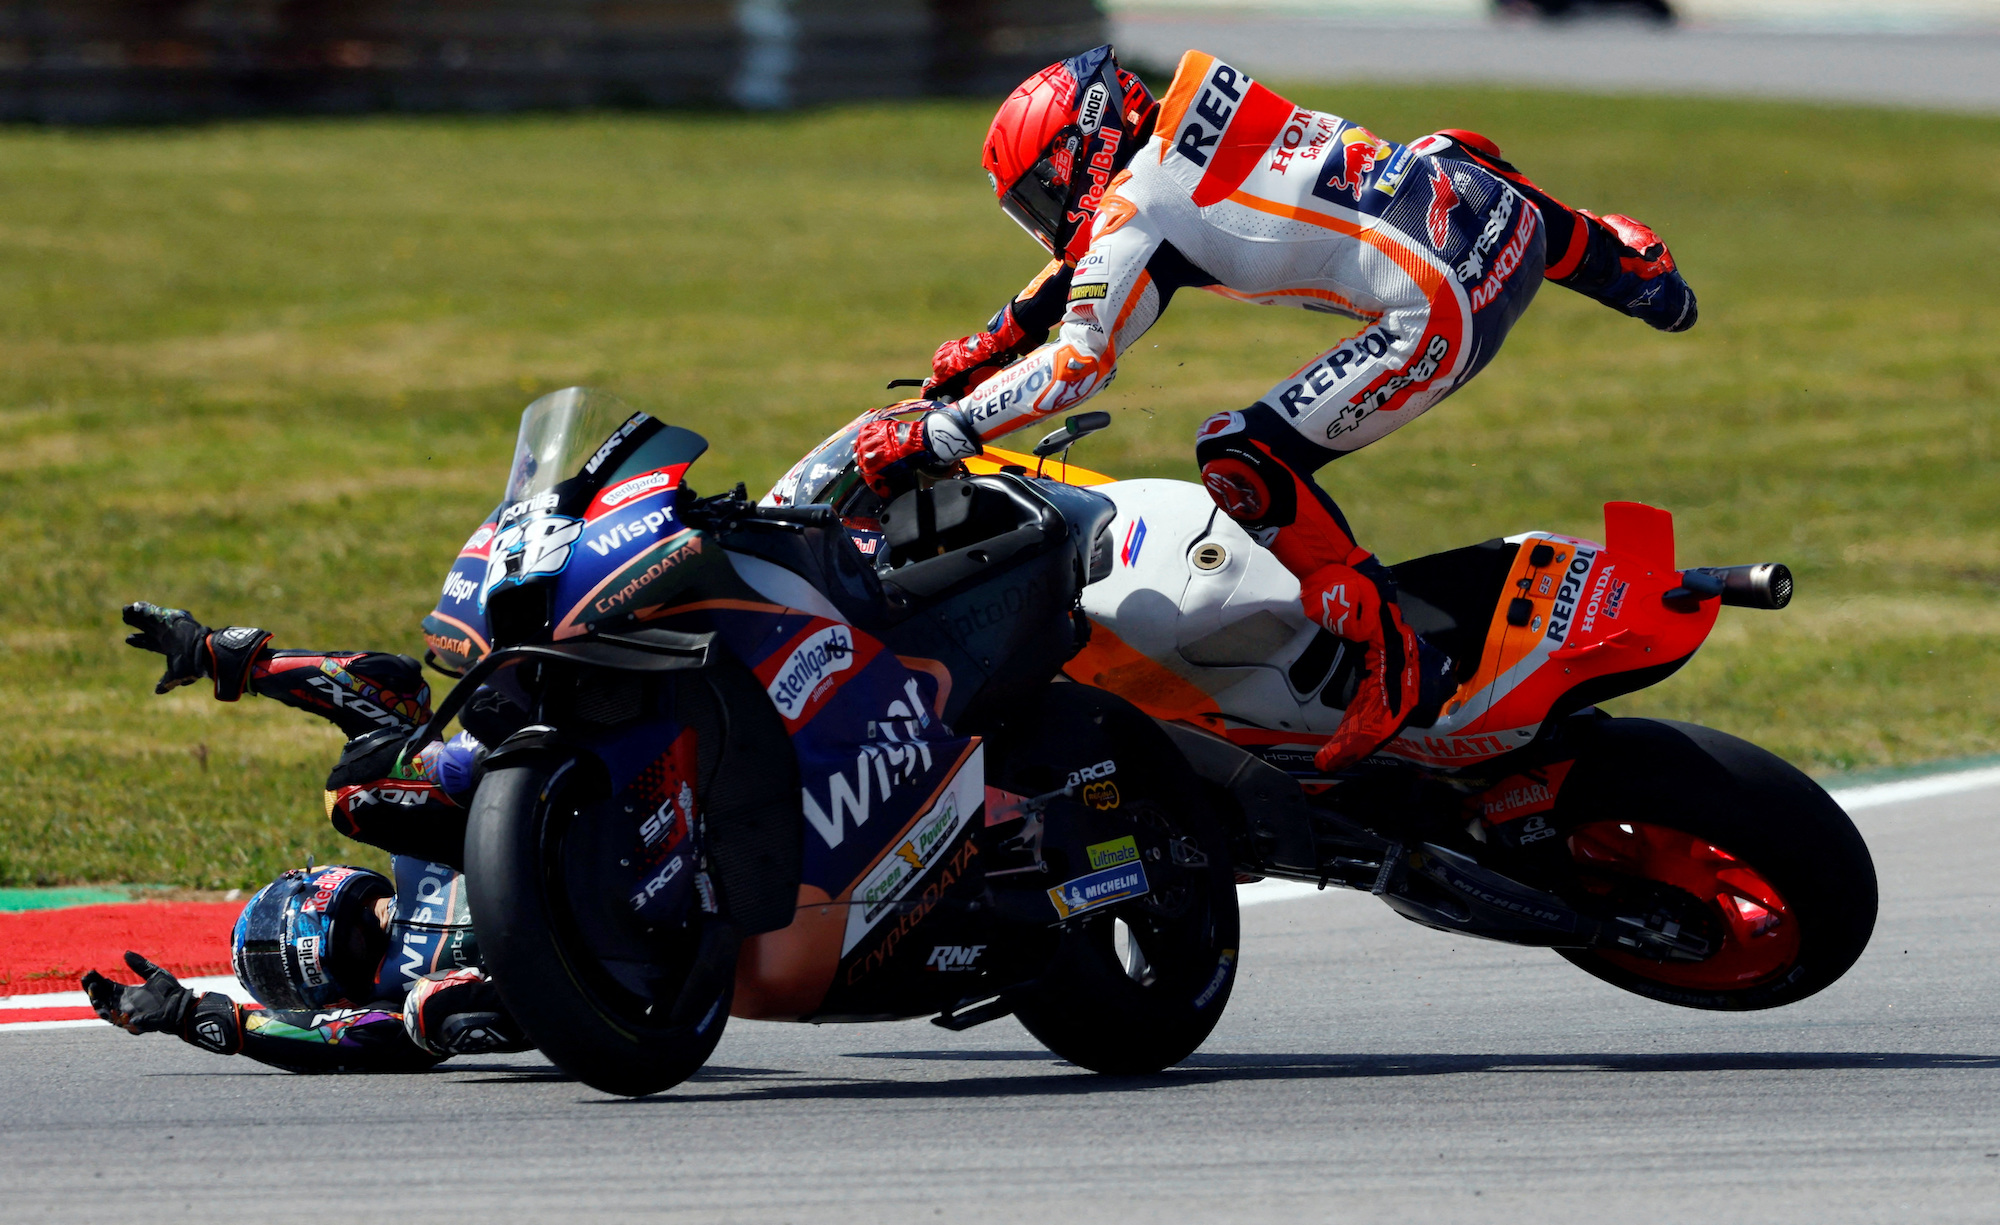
(1567, 595)
(1212, 110)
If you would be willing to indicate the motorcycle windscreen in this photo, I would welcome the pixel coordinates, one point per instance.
(576, 431)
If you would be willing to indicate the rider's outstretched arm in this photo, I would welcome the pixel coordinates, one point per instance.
(328, 1040)
(1119, 288)
(455, 1013)
(358, 691)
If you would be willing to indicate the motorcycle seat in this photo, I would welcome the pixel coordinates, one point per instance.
(1449, 598)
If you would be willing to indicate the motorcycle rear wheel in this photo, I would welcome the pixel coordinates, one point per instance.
(626, 1010)
(1734, 842)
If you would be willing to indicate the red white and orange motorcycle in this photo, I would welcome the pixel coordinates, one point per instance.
(1671, 860)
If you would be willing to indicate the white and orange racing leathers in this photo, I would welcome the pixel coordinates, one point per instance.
(1435, 248)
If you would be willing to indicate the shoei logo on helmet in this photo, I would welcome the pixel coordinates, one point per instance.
(1090, 115)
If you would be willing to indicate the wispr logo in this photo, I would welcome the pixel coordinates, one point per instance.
(829, 651)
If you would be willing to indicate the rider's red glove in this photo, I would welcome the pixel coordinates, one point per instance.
(960, 365)
(890, 452)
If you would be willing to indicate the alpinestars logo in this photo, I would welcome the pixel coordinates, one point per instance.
(1438, 220)
(1334, 609)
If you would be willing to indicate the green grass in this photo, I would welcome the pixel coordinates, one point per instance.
(270, 372)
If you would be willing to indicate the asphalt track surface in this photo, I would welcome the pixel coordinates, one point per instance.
(1947, 71)
(1367, 1069)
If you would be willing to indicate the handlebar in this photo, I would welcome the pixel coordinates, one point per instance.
(803, 516)
(726, 511)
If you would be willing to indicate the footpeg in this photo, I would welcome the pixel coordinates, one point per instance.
(958, 1022)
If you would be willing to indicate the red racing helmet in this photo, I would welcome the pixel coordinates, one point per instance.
(1059, 139)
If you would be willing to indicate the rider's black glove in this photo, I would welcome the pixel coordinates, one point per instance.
(174, 633)
(193, 650)
(158, 1005)
(162, 1005)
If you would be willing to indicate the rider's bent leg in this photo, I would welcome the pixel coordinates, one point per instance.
(1613, 259)
(1258, 463)
(1259, 471)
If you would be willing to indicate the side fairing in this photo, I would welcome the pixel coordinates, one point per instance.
(1199, 624)
(889, 796)
(431, 929)
(456, 634)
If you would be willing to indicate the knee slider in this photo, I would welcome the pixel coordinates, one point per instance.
(1247, 482)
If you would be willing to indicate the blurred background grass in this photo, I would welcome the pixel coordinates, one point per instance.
(270, 372)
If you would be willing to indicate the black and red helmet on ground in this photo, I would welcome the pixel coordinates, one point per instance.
(1059, 139)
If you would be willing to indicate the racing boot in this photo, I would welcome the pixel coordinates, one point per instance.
(1403, 675)
(1630, 270)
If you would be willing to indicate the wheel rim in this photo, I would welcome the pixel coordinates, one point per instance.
(1759, 934)
(618, 963)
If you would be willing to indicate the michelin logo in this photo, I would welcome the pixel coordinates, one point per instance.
(818, 657)
(1098, 889)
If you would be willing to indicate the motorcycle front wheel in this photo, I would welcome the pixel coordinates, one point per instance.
(624, 1006)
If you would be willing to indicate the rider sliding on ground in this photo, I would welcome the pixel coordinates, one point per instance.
(1435, 248)
(352, 970)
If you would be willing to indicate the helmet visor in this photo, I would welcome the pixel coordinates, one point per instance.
(1038, 201)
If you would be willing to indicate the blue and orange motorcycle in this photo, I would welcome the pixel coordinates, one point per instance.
(771, 776)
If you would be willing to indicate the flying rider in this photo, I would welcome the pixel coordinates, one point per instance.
(1435, 248)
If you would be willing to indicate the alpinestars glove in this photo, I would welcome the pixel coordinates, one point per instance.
(174, 633)
(890, 453)
(162, 1005)
(960, 365)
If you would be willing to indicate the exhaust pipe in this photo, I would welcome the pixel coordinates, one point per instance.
(1760, 585)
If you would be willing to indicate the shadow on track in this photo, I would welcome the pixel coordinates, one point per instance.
(1256, 1067)
(1223, 1069)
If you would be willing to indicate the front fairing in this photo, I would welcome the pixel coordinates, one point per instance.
(588, 534)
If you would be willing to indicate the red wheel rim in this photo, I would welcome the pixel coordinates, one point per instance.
(1760, 934)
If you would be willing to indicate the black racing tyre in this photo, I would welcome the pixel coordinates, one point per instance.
(1730, 841)
(624, 1009)
(1140, 985)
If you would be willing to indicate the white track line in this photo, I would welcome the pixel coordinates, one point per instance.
(1853, 799)
(1875, 795)
(77, 999)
